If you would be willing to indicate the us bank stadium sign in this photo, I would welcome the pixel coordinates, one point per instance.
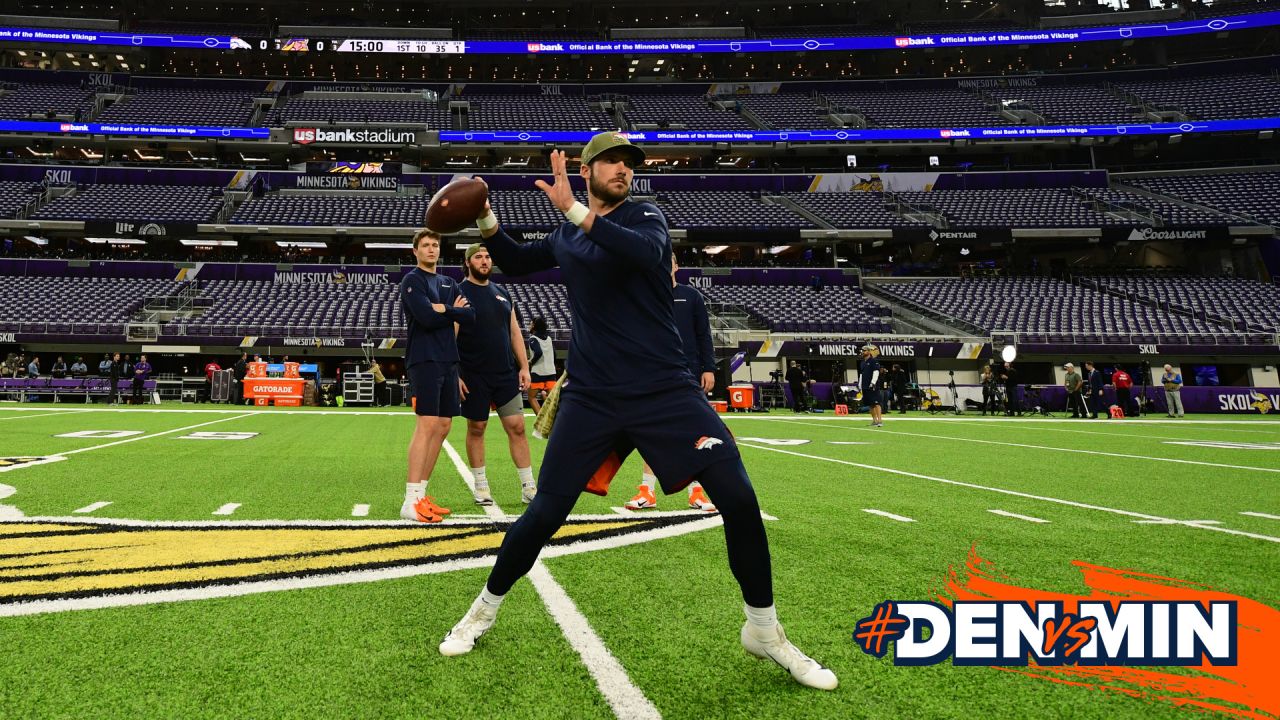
(337, 277)
(367, 136)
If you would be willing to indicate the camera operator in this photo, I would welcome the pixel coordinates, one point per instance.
(1009, 376)
(797, 379)
(898, 377)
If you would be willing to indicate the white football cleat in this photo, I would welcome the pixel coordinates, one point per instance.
(482, 495)
(527, 492)
(773, 644)
(462, 638)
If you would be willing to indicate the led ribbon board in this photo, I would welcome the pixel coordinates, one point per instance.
(132, 129)
(1012, 132)
(1030, 36)
(90, 37)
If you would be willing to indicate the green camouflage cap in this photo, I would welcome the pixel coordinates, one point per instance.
(475, 248)
(607, 141)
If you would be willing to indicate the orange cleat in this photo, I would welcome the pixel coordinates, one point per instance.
(698, 500)
(424, 510)
(429, 503)
(644, 499)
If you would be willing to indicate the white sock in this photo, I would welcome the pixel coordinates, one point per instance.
(482, 480)
(489, 598)
(526, 475)
(649, 480)
(763, 618)
(414, 492)
(694, 486)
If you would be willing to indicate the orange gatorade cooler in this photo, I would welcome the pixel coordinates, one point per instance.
(742, 397)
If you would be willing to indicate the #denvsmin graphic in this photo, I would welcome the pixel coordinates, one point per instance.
(1134, 633)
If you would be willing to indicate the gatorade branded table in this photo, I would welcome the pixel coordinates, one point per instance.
(742, 397)
(274, 391)
(280, 391)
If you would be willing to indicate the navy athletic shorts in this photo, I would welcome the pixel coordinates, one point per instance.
(435, 388)
(673, 427)
(872, 397)
(485, 390)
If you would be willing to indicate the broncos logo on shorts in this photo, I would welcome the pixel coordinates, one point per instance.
(706, 443)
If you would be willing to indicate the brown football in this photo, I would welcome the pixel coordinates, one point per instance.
(456, 206)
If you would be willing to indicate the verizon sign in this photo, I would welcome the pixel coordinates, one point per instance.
(385, 136)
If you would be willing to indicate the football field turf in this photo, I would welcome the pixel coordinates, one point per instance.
(297, 600)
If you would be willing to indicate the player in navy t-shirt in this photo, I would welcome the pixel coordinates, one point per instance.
(432, 304)
(627, 389)
(870, 383)
(494, 370)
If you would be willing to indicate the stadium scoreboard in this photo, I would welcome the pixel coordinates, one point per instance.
(367, 45)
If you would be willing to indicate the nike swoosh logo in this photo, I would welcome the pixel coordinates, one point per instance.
(649, 214)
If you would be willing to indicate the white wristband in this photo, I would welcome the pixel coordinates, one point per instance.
(488, 222)
(577, 213)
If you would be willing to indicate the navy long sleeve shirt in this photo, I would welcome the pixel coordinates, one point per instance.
(695, 330)
(430, 333)
(619, 281)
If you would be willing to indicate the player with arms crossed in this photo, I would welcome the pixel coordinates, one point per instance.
(488, 375)
(432, 304)
(627, 388)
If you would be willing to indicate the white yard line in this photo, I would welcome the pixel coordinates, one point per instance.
(891, 516)
(36, 415)
(627, 700)
(1178, 522)
(1112, 434)
(152, 435)
(93, 507)
(1179, 461)
(1014, 493)
(1265, 516)
(227, 509)
(1016, 516)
